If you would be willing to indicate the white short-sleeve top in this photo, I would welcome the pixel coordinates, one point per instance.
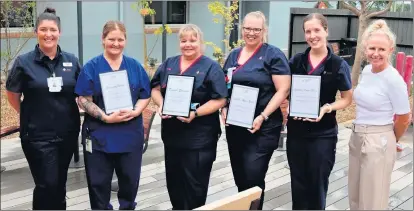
(379, 96)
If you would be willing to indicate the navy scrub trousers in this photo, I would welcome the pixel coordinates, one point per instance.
(49, 162)
(188, 175)
(99, 168)
(311, 161)
(250, 155)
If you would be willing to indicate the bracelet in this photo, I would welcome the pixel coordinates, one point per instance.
(329, 106)
(264, 116)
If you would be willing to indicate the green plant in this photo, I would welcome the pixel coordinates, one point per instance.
(12, 45)
(227, 15)
(144, 9)
(217, 52)
(157, 33)
(152, 62)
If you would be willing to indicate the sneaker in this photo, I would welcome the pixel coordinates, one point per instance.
(399, 147)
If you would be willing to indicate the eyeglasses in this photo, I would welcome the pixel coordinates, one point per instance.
(255, 30)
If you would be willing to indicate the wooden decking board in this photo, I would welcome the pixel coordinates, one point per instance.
(17, 183)
(407, 205)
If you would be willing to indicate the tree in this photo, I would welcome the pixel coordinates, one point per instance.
(365, 10)
(17, 23)
(227, 15)
(144, 9)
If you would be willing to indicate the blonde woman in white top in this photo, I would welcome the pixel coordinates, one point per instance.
(379, 96)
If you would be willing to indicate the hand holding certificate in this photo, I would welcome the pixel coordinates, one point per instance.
(305, 96)
(115, 90)
(178, 95)
(242, 106)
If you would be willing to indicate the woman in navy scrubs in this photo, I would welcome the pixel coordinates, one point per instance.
(263, 66)
(190, 143)
(112, 141)
(49, 115)
(311, 143)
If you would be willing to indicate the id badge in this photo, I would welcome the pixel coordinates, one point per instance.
(88, 146)
(230, 76)
(55, 84)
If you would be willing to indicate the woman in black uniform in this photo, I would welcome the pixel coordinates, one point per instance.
(49, 115)
(190, 143)
(311, 143)
(263, 66)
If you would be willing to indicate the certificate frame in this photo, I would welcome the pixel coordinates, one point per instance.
(105, 96)
(315, 108)
(170, 79)
(246, 124)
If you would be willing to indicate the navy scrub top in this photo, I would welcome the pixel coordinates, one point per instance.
(203, 131)
(45, 115)
(114, 137)
(335, 76)
(257, 72)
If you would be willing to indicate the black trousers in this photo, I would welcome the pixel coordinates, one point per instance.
(250, 155)
(49, 162)
(188, 174)
(311, 161)
(100, 167)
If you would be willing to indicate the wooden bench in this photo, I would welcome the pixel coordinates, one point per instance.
(5, 131)
(147, 118)
(245, 200)
(147, 115)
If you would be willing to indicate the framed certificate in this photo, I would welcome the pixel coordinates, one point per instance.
(116, 91)
(305, 96)
(177, 100)
(242, 106)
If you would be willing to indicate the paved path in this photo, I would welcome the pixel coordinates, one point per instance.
(17, 184)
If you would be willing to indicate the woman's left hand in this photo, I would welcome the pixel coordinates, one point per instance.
(257, 123)
(189, 119)
(323, 111)
(130, 114)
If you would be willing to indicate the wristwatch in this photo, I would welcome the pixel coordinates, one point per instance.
(329, 106)
(195, 113)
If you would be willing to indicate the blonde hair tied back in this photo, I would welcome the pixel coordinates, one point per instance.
(195, 31)
(378, 26)
(259, 15)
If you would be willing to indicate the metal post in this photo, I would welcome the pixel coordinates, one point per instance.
(77, 162)
(80, 32)
(164, 34)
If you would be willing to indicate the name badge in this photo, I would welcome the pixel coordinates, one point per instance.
(88, 143)
(230, 76)
(55, 84)
(67, 64)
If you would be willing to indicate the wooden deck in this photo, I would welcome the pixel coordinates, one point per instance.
(17, 184)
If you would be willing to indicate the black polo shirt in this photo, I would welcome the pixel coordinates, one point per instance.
(335, 76)
(45, 115)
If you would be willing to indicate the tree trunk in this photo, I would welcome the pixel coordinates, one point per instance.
(356, 69)
(145, 44)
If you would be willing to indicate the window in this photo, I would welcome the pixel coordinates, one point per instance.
(176, 13)
(17, 14)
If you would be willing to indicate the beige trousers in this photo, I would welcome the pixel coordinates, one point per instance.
(372, 154)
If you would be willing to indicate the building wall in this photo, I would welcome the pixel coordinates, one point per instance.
(276, 12)
(124, 11)
(279, 19)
